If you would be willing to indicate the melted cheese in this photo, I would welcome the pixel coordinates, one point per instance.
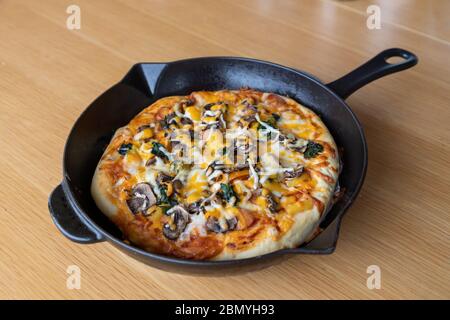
(197, 182)
(193, 113)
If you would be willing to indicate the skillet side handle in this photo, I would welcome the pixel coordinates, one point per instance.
(373, 69)
(144, 77)
(68, 221)
(324, 243)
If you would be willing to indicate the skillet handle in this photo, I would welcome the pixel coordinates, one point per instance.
(373, 69)
(68, 221)
(324, 243)
(144, 77)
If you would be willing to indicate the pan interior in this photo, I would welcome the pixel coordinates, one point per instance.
(117, 106)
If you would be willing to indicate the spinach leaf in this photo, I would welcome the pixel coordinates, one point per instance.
(156, 150)
(312, 149)
(227, 192)
(271, 121)
(164, 201)
(163, 198)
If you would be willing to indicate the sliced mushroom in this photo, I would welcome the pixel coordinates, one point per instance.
(296, 172)
(212, 125)
(212, 224)
(186, 121)
(293, 143)
(250, 118)
(150, 161)
(177, 185)
(232, 223)
(229, 168)
(143, 127)
(173, 143)
(196, 207)
(248, 114)
(162, 178)
(168, 120)
(180, 221)
(142, 198)
(272, 204)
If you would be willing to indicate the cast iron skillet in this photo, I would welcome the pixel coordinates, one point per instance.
(74, 211)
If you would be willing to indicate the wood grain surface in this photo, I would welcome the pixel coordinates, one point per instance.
(400, 222)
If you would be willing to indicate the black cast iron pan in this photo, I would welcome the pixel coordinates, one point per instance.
(74, 211)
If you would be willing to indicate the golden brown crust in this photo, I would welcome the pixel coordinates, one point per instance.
(270, 207)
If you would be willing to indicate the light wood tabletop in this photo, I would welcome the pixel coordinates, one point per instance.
(400, 222)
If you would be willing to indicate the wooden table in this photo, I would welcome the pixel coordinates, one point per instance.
(400, 222)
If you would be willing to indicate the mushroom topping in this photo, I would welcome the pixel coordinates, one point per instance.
(141, 199)
(293, 143)
(162, 178)
(213, 225)
(168, 120)
(186, 121)
(294, 173)
(150, 161)
(177, 185)
(212, 125)
(250, 119)
(180, 221)
(272, 204)
(195, 207)
(232, 223)
(143, 127)
(228, 168)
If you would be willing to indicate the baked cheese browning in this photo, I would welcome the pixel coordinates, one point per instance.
(218, 175)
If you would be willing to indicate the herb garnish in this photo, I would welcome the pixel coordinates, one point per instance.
(271, 121)
(312, 149)
(156, 150)
(164, 201)
(227, 192)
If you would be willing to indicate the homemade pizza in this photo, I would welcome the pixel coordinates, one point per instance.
(218, 175)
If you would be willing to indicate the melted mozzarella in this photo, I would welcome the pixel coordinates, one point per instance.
(197, 223)
(197, 182)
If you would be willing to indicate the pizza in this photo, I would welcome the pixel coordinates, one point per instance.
(218, 175)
